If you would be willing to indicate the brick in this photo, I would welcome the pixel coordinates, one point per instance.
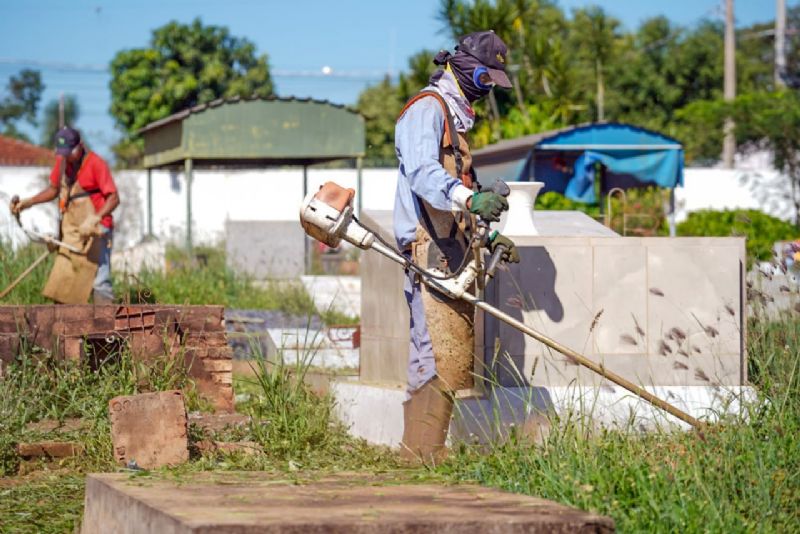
(218, 366)
(248, 448)
(217, 422)
(222, 378)
(149, 428)
(71, 424)
(49, 449)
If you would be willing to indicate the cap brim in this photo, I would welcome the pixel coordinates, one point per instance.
(64, 151)
(499, 77)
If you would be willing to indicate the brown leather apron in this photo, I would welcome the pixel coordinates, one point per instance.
(72, 277)
(441, 243)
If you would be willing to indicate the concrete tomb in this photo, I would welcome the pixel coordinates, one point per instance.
(665, 313)
(260, 503)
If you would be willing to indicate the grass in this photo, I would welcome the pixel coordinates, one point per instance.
(741, 475)
(294, 428)
(12, 264)
(200, 278)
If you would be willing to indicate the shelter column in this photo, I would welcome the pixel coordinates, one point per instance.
(306, 248)
(149, 202)
(360, 195)
(187, 170)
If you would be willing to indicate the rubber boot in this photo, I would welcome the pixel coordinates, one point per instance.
(426, 416)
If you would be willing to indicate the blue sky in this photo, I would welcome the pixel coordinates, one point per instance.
(72, 42)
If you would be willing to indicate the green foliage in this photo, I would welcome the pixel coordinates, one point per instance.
(50, 120)
(20, 102)
(203, 277)
(658, 76)
(640, 212)
(556, 201)
(381, 105)
(760, 229)
(38, 386)
(185, 65)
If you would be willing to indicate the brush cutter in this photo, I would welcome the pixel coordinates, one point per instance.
(37, 237)
(327, 216)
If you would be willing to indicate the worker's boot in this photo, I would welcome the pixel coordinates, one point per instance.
(426, 417)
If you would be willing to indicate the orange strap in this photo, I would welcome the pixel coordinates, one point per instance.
(438, 97)
(466, 179)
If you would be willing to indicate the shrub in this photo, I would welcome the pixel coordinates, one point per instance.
(760, 229)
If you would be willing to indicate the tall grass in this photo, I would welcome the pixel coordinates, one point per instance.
(12, 264)
(743, 474)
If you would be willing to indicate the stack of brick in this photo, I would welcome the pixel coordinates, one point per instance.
(96, 333)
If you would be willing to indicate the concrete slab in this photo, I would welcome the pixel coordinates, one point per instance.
(260, 503)
(340, 293)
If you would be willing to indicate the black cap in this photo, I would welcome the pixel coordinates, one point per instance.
(67, 139)
(491, 51)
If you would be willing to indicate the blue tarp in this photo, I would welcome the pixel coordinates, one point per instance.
(662, 168)
(565, 159)
(629, 154)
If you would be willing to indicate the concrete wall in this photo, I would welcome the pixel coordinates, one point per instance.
(218, 197)
(266, 249)
(384, 312)
(589, 293)
(657, 311)
(274, 194)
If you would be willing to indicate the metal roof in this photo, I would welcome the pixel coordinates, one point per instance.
(256, 132)
(588, 136)
(17, 153)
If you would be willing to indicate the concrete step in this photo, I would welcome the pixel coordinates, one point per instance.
(256, 502)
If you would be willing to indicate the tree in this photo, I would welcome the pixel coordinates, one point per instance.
(185, 65)
(50, 121)
(595, 34)
(420, 68)
(772, 121)
(21, 102)
(380, 104)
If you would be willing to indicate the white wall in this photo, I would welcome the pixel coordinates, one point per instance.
(275, 194)
(216, 197)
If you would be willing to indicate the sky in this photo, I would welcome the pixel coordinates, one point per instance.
(356, 42)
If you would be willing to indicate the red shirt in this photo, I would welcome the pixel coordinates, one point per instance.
(93, 174)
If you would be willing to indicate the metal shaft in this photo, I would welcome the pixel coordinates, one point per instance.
(598, 368)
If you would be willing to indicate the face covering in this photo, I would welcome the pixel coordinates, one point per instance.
(467, 71)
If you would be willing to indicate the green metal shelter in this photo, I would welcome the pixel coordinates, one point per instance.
(252, 133)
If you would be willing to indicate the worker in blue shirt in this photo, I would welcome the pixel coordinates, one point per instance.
(436, 193)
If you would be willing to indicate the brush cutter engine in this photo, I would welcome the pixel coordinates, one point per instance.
(327, 216)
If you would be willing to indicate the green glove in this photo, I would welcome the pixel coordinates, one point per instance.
(496, 239)
(488, 206)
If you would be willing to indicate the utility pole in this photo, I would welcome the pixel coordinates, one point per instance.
(61, 110)
(729, 143)
(780, 43)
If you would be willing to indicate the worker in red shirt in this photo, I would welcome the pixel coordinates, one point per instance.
(87, 196)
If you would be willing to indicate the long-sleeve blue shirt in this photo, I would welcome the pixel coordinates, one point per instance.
(418, 137)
